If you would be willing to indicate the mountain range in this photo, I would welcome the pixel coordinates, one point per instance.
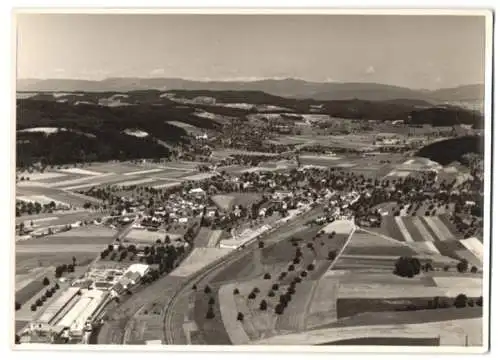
(289, 88)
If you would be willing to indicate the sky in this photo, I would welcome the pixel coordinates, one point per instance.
(420, 52)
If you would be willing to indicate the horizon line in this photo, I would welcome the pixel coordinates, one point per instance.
(243, 80)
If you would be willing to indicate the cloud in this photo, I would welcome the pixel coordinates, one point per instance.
(157, 72)
(370, 70)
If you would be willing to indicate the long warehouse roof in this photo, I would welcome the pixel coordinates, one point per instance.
(58, 304)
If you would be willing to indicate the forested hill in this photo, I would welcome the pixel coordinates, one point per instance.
(450, 150)
(98, 125)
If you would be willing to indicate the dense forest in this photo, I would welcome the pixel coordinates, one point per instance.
(69, 147)
(96, 132)
(450, 150)
(447, 116)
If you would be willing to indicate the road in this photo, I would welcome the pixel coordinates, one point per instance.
(170, 289)
(275, 235)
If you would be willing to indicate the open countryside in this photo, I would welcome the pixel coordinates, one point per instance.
(275, 212)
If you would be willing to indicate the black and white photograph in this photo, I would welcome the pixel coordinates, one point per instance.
(252, 179)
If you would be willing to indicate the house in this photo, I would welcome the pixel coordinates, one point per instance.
(134, 277)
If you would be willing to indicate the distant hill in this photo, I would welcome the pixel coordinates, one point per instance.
(461, 93)
(288, 88)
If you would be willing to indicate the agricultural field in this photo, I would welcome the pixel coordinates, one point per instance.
(26, 299)
(62, 185)
(144, 236)
(226, 201)
(83, 243)
(278, 269)
(450, 333)
(359, 294)
(45, 195)
(29, 290)
(203, 237)
(209, 331)
(56, 218)
(198, 259)
(87, 235)
(374, 166)
(431, 235)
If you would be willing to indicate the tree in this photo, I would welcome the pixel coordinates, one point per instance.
(407, 267)
(263, 305)
(283, 299)
(446, 267)
(332, 255)
(33, 307)
(207, 290)
(291, 268)
(57, 286)
(271, 293)
(267, 276)
(296, 260)
(46, 281)
(211, 301)
(470, 302)
(240, 316)
(256, 290)
(39, 302)
(279, 309)
(48, 293)
(18, 306)
(236, 291)
(74, 261)
(473, 269)
(17, 340)
(261, 244)
(210, 313)
(479, 301)
(252, 296)
(462, 266)
(194, 287)
(460, 301)
(310, 267)
(428, 267)
(110, 247)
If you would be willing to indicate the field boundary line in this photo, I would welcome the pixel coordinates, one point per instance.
(404, 231)
(307, 308)
(417, 221)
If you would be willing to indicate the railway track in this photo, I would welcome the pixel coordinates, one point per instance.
(169, 325)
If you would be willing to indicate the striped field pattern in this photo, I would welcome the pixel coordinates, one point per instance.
(432, 235)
